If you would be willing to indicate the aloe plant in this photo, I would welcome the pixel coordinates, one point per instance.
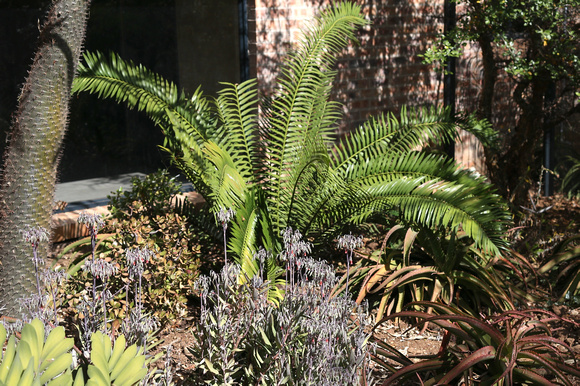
(31, 159)
(512, 348)
(439, 266)
(566, 262)
(277, 162)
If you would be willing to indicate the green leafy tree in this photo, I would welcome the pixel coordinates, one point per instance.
(277, 163)
(536, 44)
(31, 158)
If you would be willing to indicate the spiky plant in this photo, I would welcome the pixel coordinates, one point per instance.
(31, 158)
(277, 163)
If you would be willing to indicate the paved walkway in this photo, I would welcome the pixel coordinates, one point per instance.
(91, 195)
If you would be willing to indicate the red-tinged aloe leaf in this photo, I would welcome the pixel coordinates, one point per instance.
(534, 326)
(431, 364)
(417, 274)
(559, 258)
(392, 277)
(497, 294)
(515, 269)
(532, 376)
(383, 364)
(441, 307)
(410, 237)
(481, 355)
(372, 277)
(474, 323)
(388, 235)
(382, 307)
(394, 358)
(568, 369)
(541, 360)
(392, 353)
(547, 341)
(572, 286)
(453, 315)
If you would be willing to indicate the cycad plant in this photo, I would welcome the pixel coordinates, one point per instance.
(277, 162)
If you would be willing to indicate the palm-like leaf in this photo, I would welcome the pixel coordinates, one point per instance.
(300, 113)
(381, 159)
(185, 121)
(238, 133)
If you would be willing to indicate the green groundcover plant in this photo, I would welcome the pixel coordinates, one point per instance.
(277, 162)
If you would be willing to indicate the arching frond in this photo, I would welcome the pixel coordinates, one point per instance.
(237, 132)
(389, 136)
(300, 104)
(245, 236)
(113, 78)
(472, 208)
(228, 188)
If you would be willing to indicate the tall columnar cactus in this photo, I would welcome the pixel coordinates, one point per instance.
(31, 158)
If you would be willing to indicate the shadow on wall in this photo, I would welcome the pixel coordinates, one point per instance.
(380, 74)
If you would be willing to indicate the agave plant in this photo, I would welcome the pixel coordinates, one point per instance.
(512, 348)
(277, 163)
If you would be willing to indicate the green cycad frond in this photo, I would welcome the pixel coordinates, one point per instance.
(410, 165)
(300, 105)
(308, 181)
(387, 135)
(432, 203)
(185, 121)
(237, 133)
(228, 188)
(113, 78)
(245, 235)
(383, 163)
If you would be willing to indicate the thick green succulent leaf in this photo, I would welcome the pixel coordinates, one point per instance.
(8, 358)
(56, 345)
(115, 364)
(58, 366)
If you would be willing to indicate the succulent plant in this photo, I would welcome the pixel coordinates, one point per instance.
(35, 360)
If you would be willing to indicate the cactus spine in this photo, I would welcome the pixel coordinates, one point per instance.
(31, 158)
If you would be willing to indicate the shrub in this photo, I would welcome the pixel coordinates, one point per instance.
(144, 217)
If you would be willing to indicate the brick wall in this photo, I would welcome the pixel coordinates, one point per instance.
(380, 74)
